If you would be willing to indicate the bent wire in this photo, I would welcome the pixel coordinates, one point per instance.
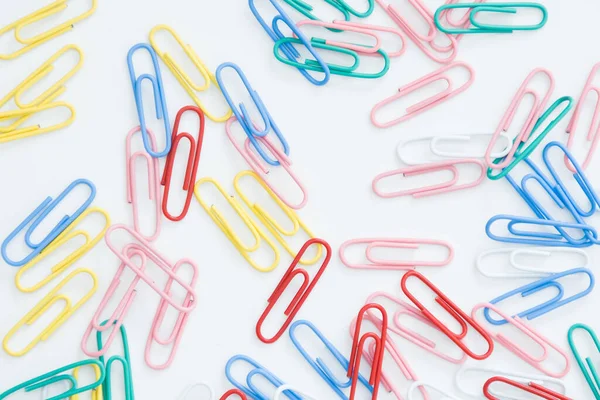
(290, 52)
(34, 219)
(55, 376)
(428, 103)
(182, 77)
(241, 113)
(36, 130)
(480, 27)
(257, 233)
(450, 185)
(43, 306)
(548, 282)
(592, 135)
(192, 161)
(160, 102)
(125, 362)
(318, 364)
(532, 387)
(234, 392)
(372, 244)
(587, 367)
(302, 294)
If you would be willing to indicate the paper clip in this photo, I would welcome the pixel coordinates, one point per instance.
(405, 309)
(160, 101)
(175, 337)
(154, 194)
(358, 349)
(517, 377)
(192, 164)
(30, 43)
(261, 170)
(535, 361)
(251, 390)
(46, 303)
(480, 27)
(418, 385)
(39, 214)
(233, 392)
(341, 27)
(36, 130)
(386, 243)
(532, 387)
(242, 115)
(182, 77)
(276, 229)
(257, 233)
(460, 316)
(378, 28)
(548, 282)
(319, 365)
(358, 14)
(125, 362)
(426, 104)
(186, 392)
(528, 270)
(592, 135)
(419, 39)
(277, 395)
(290, 52)
(439, 188)
(587, 367)
(302, 294)
(118, 316)
(65, 237)
(56, 376)
(532, 119)
(308, 11)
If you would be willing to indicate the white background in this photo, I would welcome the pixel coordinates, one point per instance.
(336, 151)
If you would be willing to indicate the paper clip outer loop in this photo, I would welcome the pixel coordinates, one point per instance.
(591, 375)
(234, 392)
(358, 14)
(125, 362)
(192, 163)
(459, 315)
(302, 294)
(549, 305)
(532, 388)
(160, 101)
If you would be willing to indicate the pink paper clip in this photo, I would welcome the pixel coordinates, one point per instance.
(153, 182)
(377, 28)
(397, 357)
(538, 108)
(255, 162)
(356, 28)
(426, 104)
(159, 260)
(178, 328)
(384, 243)
(406, 309)
(592, 135)
(116, 319)
(419, 39)
(444, 187)
(546, 345)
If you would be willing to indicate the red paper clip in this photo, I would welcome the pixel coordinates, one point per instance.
(234, 392)
(192, 165)
(460, 316)
(532, 388)
(376, 353)
(300, 297)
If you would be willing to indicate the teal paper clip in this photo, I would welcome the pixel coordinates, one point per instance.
(591, 375)
(522, 154)
(480, 27)
(358, 14)
(56, 376)
(125, 364)
(307, 10)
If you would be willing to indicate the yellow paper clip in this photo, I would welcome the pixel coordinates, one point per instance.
(68, 234)
(46, 303)
(184, 79)
(97, 392)
(45, 12)
(34, 130)
(271, 223)
(255, 230)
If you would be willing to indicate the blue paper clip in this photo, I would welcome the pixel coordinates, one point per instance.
(56, 376)
(290, 52)
(243, 117)
(478, 27)
(38, 215)
(319, 365)
(159, 99)
(125, 362)
(251, 390)
(541, 284)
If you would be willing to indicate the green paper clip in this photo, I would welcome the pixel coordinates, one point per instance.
(358, 13)
(125, 363)
(590, 376)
